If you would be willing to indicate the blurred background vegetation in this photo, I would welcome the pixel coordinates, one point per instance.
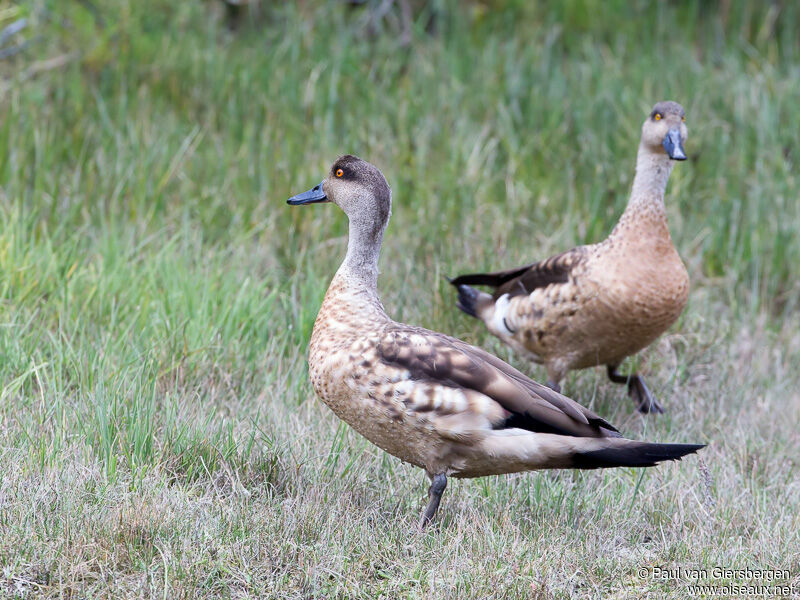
(165, 109)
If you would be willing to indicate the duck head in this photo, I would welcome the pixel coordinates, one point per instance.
(664, 130)
(355, 186)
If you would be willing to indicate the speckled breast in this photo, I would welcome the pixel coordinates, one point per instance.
(338, 368)
(632, 309)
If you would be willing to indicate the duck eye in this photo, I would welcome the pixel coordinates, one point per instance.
(657, 117)
(339, 172)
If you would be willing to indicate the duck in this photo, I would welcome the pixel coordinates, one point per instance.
(598, 304)
(429, 399)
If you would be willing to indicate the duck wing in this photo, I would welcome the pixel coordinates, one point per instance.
(523, 280)
(435, 358)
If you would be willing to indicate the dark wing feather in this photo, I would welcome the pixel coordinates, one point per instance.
(523, 280)
(440, 359)
(494, 280)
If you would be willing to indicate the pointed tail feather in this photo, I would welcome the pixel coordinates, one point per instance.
(626, 453)
(514, 450)
(489, 279)
(494, 280)
(468, 300)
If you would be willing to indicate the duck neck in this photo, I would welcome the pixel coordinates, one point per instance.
(360, 266)
(646, 204)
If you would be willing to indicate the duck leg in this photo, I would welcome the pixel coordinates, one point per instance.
(438, 483)
(637, 389)
(553, 386)
(554, 376)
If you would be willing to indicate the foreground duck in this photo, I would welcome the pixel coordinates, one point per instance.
(429, 399)
(596, 305)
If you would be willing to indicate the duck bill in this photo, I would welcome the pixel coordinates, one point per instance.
(672, 144)
(312, 196)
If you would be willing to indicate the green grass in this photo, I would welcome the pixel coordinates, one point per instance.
(158, 434)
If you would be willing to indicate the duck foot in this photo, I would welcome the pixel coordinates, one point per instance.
(438, 484)
(637, 390)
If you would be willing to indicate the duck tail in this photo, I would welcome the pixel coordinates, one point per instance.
(471, 301)
(531, 451)
(620, 452)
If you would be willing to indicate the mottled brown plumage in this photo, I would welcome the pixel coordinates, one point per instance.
(598, 304)
(430, 399)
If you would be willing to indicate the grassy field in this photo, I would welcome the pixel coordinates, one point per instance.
(158, 433)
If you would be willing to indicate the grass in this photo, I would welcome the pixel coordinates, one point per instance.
(158, 434)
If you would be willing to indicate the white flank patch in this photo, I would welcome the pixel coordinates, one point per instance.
(498, 321)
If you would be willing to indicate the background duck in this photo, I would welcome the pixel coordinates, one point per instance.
(595, 305)
(430, 399)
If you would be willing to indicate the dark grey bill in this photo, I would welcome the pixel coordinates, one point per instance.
(672, 144)
(312, 196)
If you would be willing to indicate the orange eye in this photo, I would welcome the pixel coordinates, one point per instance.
(657, 116)
(339, 172)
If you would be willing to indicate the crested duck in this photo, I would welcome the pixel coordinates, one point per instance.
(597, 304)
(430, 399)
